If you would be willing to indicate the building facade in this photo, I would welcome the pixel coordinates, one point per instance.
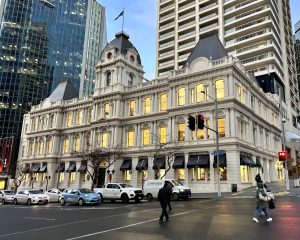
(42, 43)
(258, 32)
(138, 116)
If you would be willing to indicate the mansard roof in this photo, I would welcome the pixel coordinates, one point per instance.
(64, 91)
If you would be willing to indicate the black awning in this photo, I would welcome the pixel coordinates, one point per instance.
(247, 161)
(71, 168)
(178, 162)
(82, 168)
(126, 165)
(258, 164)
(200, 161)
(43, 169)
(35, 168)
(222, 159)
(60, 168)
(159, 163)
(142, 164)
(26, 169)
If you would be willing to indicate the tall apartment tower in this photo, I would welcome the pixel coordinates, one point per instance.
(42, 43)
(258, 32)
(297, 50)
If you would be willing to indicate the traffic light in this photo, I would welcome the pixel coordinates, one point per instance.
(282, 155)
(191, 123)
(200, 121)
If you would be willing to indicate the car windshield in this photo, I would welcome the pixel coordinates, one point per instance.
(125, 185)
(85, 190)
(177, 183)
(9, 192)
(35, 192)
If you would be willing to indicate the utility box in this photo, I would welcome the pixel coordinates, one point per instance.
(233, 187)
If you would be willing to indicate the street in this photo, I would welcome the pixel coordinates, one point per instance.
(227, 218)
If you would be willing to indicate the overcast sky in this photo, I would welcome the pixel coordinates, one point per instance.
(140, 24)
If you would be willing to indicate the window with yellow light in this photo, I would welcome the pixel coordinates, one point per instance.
(132, 108)
(146, 136)
(181, 131)
(130, 138)
(163, 102)
(147, 105)
(181, 96)
(162, 134)
(220, 89)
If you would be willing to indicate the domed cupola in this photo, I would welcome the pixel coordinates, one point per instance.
(119, 65)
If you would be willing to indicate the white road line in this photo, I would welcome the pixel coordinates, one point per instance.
(126, 226)
(46, 219)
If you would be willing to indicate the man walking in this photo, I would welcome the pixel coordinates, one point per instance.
(170, 190)
(163, 196)
(262, 200)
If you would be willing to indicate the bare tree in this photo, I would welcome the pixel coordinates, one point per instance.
(20, 176)
(166, 149)
(96, 157)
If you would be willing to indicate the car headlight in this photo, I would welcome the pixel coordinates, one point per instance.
(132, 191)
(181, 190)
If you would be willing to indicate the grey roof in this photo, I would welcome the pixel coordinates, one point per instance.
(209, 47)
(121, 44)
(64, 91)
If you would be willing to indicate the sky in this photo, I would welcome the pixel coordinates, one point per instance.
(140, 23)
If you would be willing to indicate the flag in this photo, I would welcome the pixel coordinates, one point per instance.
(121, 14)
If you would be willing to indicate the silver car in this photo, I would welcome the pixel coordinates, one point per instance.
(54, 194)
(30, 197)
(7, 196)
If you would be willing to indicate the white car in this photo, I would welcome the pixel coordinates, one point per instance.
(54, 194)
(6, 196)
(30, 196)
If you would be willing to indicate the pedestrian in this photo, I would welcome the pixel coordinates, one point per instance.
(258, 178)
(170, 190)
(262, 200)
(163, 196)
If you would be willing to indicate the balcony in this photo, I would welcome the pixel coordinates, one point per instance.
(186, 15)
(202, 29)
(187, 34)
(167, 34)
(186, 5)
(166, 44)
(189, 24)
(167, 16)
(202, 9)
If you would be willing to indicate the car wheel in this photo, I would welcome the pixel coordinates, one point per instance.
(175, 196)
(80, 202)
(137, 200)
(62, 202)
(101, 198)
(124, 198)
(46, 202)
(28, 201)
(149, 197)
(15, 202)
(3, 201)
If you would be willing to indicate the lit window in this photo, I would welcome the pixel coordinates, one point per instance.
(127, 175)
(147, 105)
(240, 96)
(72, 176)
(130, 138)
(146, 136)
(104, 138)
(66, 145)
(181, 173)
(108, 78)
(31, 149)
(77, 144)
(223, 174)
(181, 128)
(200, 173)
(245, 173)
(69, 119)
(181, 96)
(61, 176)
(79, 117)
(199, 95)
(40, 147)
(221, 127)
(200, 133)
(162, 134)
(220, 89)
(163, 102)
(90, 115)
(106, 110)
(132, 108)
(192, 96)
(49, 146)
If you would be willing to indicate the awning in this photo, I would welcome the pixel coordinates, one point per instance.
(43, 169)
(159, 163)
(247, 161)
(60, 168)
(126, 165)
(82, 168)
(200, 161)
(178, 162)
(142, 164)
(291, 137)
(26, 169)
(35, 168)
(258, 164)
(71, 168)
(222, 159)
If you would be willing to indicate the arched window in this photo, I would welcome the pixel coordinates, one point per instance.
(79, 117)
(68, 119)
(130, 81)
(108, 78)
(66, 145)
(77, 143)
(40, 147)
(49, 146)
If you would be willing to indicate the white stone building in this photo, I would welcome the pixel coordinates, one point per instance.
(127, 111)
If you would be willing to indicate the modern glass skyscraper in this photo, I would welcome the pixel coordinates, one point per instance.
(43, 42)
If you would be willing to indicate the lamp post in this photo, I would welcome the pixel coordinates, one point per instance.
(217, 138)
(47, 178)
(32, 181)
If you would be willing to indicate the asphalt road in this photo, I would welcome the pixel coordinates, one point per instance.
(226, 218)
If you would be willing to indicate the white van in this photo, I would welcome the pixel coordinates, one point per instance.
(179, 191)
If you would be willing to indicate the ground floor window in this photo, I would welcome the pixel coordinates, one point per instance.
(201, 174)
(35, 176)
(127, 175)
(145, 174)
(26, 178)
(61, 177)
(2, 184)
(180, 173)
(223, 174)
(72, 176)
(245, 173)
(160, 173)
(43, 177)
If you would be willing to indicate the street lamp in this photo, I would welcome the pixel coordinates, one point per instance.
(47, 178)
(217, 138)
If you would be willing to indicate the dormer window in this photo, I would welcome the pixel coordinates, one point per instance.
(130, 81)
(131, 58)
(108, 78)
(109, 55)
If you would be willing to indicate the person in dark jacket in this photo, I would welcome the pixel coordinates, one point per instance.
(258, 178)
(163, 196)
(262, 200)
(170, 190)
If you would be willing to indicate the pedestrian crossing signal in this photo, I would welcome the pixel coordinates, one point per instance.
(200, 121)
(191, 123)
(282, 155)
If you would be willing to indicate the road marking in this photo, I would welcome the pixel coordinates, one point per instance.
(47, 219)
(127, 226)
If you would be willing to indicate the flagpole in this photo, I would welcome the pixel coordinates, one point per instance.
(123, 19)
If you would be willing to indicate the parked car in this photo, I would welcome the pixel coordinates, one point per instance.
(6, 196)
(179, 191)
(31, 196)
(54, 194)
(120, 191)
(79, 196)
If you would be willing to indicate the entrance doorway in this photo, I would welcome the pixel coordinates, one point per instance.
(101, 177)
